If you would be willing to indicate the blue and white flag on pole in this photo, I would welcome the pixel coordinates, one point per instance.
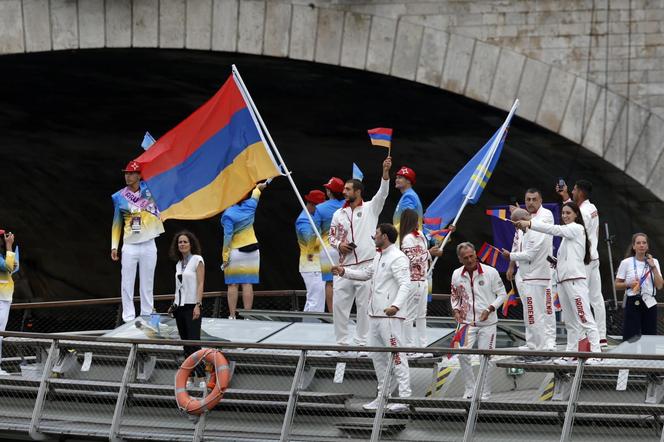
(357, 173)
(148, 140)
(469, 182)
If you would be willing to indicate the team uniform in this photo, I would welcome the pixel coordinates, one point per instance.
(472, 293)
(640, 308)
(355, 226)
(389, 277)
(572, 282)
(310, 264)
(409, 200)
(591, 220)
(534, 284)
(240, 249)
(414, 245)
(136, 220)
(323, 218)
(7, 265)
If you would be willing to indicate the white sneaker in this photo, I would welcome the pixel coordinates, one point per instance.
(373, 405)
(468, 394)
(413, 355)
(4, 373)
(231, 317)
(397, 408)
(524, 348)
(486, 396)
(564, 361)
(427, 355)
(340, 354)
(594, 361)
(362, 354)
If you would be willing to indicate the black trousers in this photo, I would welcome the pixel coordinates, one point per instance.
(639, 319)
(189, 329)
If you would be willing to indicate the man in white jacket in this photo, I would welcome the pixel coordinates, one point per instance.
(389, 277)
(530, 254)
(350, 233)
(477, 291)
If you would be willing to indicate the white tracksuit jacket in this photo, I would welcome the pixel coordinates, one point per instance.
(390, 281)
(473, 294)
(531, 252)
(358, 226)
(571, 251)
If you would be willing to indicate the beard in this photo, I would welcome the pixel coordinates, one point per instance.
(351, 199)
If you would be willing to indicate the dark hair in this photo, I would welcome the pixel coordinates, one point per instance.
(336, 195)
(357, 184)
(174, 252)
(389, 230)
(3, 246)
(630, 249)
(584, 186)
(579, 220)
(534, 190)
(409, 221)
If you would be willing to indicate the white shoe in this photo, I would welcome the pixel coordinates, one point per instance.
(397, 408)
(524, 348)
(486, 396)
(468, 394)
(4, 373)
(362, 354)
(413, 355)
(594, 361)
(427, 355)
(340, 354)
(564, 361)
(373, 405)
(231, 317)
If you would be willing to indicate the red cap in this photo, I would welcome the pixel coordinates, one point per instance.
(314, 197)
(407, 173)
(335, 185)
(133, 166)
(2, 232)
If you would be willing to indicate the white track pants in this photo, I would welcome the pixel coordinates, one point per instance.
(387, 332)
(345, 292)
(4, 316)
(539, 316)
(595, 296)
(486, 340)
(523, 290)
(579, 320)
(315, 292)
(416, 315)
(145, 256)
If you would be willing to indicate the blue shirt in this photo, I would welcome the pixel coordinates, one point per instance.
(323, 217)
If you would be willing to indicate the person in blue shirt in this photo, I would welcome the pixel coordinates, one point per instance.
(310, 254)
(323, 218)
(404, 182)
(240, 254)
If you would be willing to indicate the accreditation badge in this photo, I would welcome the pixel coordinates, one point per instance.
(135, 221)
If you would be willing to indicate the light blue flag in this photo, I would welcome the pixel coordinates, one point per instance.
(357, 173)
(469, 182)
(148, 140)
(16, 258)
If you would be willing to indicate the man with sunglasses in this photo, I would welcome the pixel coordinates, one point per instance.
(389, 274)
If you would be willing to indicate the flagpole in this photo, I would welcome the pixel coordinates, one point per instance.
(287, 173)
(476, 183)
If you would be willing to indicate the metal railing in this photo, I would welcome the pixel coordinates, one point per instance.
(109, 388)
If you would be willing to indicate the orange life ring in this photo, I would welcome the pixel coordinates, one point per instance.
(218, 384)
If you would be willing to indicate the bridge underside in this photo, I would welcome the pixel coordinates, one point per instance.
(71, 120)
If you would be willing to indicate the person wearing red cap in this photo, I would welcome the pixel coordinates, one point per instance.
(334, 189)
(309, 254)
(405, 180)
(136, 220)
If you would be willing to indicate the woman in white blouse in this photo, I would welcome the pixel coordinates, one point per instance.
(189, 280)
(640, 277)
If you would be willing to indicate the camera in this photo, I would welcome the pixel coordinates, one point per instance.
(552, 260)
(352, 245)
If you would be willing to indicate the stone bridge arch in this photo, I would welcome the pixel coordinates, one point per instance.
(619, 130)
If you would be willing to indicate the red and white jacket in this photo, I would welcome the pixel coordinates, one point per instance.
(358, 226)
(415, 246)
(390, 281)
(472, 293)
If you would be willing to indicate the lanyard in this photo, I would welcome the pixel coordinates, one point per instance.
(646, 272)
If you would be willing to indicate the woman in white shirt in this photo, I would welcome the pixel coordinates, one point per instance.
(639, 275)
(189, 279)
(573, 254)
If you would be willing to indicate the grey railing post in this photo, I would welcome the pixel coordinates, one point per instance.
(471, 422)
(41, 393)
(293, 397)
(384, 392)
(122, 395)
(571, 404)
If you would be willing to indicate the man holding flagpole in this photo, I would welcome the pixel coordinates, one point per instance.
(350, 233)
